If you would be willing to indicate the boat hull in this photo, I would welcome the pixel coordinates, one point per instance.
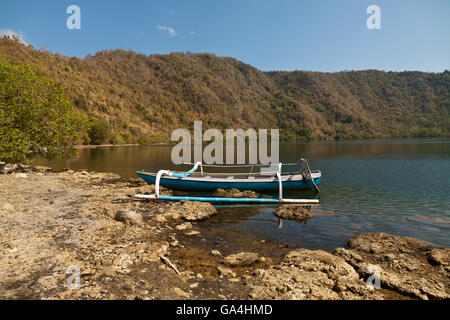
(264, 185)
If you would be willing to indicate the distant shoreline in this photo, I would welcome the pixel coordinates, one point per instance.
(92, 146)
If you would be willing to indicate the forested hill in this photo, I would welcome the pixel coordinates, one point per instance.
(141, 98)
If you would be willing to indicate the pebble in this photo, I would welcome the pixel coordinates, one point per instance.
(184, 226)
(192, 233)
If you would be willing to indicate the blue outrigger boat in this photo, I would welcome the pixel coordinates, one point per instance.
(266, 182)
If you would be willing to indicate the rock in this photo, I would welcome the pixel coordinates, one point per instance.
(184, 226)
(25, 168)
(174, 243)
(227, 273)
(310, 274)
(408, 266)
(43, 169)
(194, 285)
(109, 271)
(8, 168)
(160, 218)
(216, 253)
(347, 254)
(20, 175)
(439, 257)
(192, 233)
(235, 193)
(190, 210)
(129, 217)
(180, 293)
(108, 177)
(294, 212)
(234, 280)
(315, 260)
(241, 259)
(383, 243)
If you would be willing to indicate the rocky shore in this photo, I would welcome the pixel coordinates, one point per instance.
(56, 224)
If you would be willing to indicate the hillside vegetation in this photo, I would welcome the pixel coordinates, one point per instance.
(132, 97)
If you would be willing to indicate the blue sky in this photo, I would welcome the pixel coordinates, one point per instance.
(315, 35)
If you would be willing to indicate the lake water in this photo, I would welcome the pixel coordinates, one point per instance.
(395, 186)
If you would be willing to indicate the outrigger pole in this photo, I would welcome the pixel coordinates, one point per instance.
(280, 199)
(221, 199)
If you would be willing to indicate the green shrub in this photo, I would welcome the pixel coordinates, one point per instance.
(36, 116)
(98, 132)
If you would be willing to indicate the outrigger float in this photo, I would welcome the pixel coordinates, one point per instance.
(270, 182)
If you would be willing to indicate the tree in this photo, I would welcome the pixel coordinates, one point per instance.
(36, 116)
(98, 131)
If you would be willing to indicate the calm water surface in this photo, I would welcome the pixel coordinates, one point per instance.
(397, 187)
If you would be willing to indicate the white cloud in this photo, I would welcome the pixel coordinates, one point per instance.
(192, 32)
(13, 34)
(171, 31)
